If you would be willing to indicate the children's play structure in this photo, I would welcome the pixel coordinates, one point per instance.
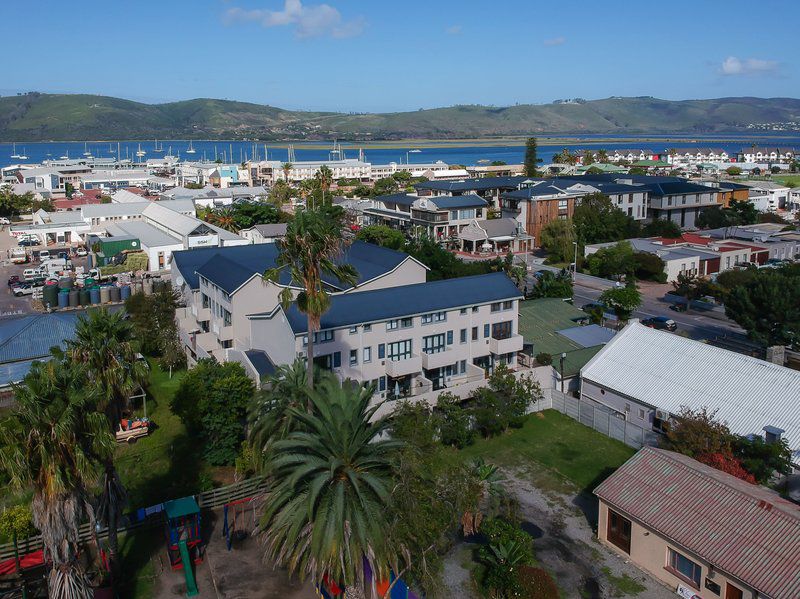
(239, 520)
(184, 544)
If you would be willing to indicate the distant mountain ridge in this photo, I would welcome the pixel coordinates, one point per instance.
(41, 117)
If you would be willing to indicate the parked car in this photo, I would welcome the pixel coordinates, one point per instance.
(678, 307)
(660, 322)
(81, 251)
(30, 274)
(24, 289)
(591, 306)
(44, 255)
(540, 273)
(26, 242)
(13, 280)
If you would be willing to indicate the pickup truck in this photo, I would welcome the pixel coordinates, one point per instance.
(21, 289)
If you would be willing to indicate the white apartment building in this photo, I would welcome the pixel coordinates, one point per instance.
(764, 155)
(268, 172)
(768, 196)
(381, 171)
(693, 156)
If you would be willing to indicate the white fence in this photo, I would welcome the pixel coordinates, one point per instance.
(603, 420)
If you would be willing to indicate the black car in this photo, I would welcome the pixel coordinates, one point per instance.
(26, 242)
(592, 306)
(661, 322)
(678, 307)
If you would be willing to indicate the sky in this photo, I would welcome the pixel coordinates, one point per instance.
(381, 56)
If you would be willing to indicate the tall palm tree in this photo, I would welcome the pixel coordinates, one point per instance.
(286, 167)
(308, 252)
(54, 441)
(602, 156)
(324, 178)
(329, 487)
(225, 218)
(104, 344)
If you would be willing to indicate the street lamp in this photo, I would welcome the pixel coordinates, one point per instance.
(563, 357)
(575, 262)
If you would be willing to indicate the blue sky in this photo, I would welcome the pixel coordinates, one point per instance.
(375, 55)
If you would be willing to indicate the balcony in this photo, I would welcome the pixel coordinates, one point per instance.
(206, 341)
(442, 358)
(505, 346)
(203, 314)
(405, 367)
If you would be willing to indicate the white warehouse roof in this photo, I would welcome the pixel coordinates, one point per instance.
(668, 371)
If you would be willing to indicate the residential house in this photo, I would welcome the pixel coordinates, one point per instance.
(495, 236)
(768, 196)
(267, 233)
(695, 156)
(763, 155)
(704, 533)
(646, 377)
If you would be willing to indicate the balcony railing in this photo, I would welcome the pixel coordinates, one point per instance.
(410, 365)
(510, 344)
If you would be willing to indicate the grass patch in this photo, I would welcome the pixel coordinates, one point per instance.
(790, 180)
(166, 464)
(623, 585)
(139, 555)
(575, 452)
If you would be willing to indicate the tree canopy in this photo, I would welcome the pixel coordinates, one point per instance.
(531, 164)
(557, 239)
(598, 220)
(622, 300)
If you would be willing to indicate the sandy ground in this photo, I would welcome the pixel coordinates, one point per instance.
(564, 543)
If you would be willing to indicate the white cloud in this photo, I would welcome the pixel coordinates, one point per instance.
(556, 41)
(308, 21)
(747, 66)
(453, 30)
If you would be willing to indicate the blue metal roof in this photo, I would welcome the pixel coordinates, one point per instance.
(396, 302)
(261, 362)
(396, 198)
(480, 184)
(242, 261)
(469, 200)
(589, 335)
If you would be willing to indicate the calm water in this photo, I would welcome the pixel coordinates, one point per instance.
(469, 155)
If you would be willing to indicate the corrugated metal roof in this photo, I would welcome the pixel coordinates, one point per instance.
(589, 335)
(668, 371)
(744, 530)
(409, 300)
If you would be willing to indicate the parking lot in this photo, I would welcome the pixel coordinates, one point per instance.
(10, 305)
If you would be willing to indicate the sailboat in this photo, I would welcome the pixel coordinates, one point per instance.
(14, 149)
(65, 156)
(190, 149)
(86, 151)
(22, 156)
(110, 149)
(140, 152)
(158, 148)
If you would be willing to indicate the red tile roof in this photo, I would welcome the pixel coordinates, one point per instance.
(744, 530)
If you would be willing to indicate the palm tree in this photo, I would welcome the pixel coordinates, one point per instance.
(103, 343)
(602, 156)
(309, 250)
(330, 486)
(225, 218)
(324, 178)
(286, 167)
(54, 442)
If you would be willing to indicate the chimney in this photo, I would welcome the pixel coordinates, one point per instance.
(772, 434)
(776, 354)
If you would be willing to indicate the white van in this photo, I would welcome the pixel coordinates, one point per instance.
(56, 265)
(29, 274)
(19, 255)
(44, 255)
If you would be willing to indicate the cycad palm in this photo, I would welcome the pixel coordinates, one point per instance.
(103, 343)
(309, 251)
(54, 441)
(330, 485)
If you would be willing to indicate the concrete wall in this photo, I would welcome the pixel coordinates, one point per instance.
(649, 551)
(634, 412)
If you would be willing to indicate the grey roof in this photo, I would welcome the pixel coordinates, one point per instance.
(175, 221)
(408, 300)
(146, 233)
(272, 229)
(261, 362)
(668, 371)
(134, 208)
(469, 200)
(589, 335)
(28, 338)
(403, 199)
(225, 273)
(478, 184)
(369, 260)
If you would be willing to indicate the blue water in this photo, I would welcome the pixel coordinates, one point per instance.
(468, 155)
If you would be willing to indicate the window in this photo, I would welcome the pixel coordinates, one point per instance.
(454, 215)
(619, 531)
(685, 568)
(205, 300)
(392, 325)
(323, 337)
(463, 311)
(399, 350)
(463, 366)
(485, 330)
(496, 307)
(641, 414)
(382, 384)
(226, 318)
(508, 305)
(463, 336)
(367, 355)
(449, 337)
(562, 204)
(474, 309)
(434, 317)
(474, 333)
(433, 344)
(502, 330)
(353, 357)
(406, 323)
(353, 330)
(367, 328)
(381, 351)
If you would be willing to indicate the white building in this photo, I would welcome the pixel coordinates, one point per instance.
(768, 196)
(268, 233)
(763, 155)
(694, 156)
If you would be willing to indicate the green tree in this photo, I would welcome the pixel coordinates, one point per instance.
(312, 244)
(767, 307)
(733, 171)
(212, 401)
(152, 318)
(248, 214)
(622, 300)
(498, 163)
(689, 286)
(54, 442)
(324, 178)
(598, 220)
(13, 204)
(104, 344)
(454, 421)
(762, 459)
(698, 432)
(329, 488)
(557, 239)
(552, 285)
(649, 267)
(614, 261)
(662, 227)
(286, 167)
(743, 212)
(602, 156)
(280, 194)
(531, 158)
(504, 402)
(383, 236)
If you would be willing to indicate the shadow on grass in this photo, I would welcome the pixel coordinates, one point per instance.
(585, 500)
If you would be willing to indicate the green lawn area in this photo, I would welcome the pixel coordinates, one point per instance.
(790, 180)
(166, 464)
(574, 452)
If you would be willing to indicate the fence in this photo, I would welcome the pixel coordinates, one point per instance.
(603, 420)
(207, 500)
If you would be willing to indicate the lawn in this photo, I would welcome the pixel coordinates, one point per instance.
(565, 447)
(790, 180)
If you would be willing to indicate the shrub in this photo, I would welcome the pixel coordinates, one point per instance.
(536, 583)
(413, 423)
(454, 423)
(18, 520)
(504, 402)
(544, 358)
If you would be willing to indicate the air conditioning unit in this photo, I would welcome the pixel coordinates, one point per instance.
(662, 414)
(301, 354)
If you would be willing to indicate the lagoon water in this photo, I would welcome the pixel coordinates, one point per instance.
(450, 152)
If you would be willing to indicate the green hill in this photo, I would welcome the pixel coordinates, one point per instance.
(34, 117)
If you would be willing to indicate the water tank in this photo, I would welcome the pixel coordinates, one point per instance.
(74, 298)
(94, 295)
(124, 292)
(63, 299)
(88, 282)
(105, 295)
(114, 293)
(65, 282)
(50, 296)
(84, 297)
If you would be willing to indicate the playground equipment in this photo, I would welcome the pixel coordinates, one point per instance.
(239, 520)
(183, 538)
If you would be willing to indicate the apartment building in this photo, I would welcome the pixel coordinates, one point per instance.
(761, 155)
(268, 172)
(407, 340)
(694, 156)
